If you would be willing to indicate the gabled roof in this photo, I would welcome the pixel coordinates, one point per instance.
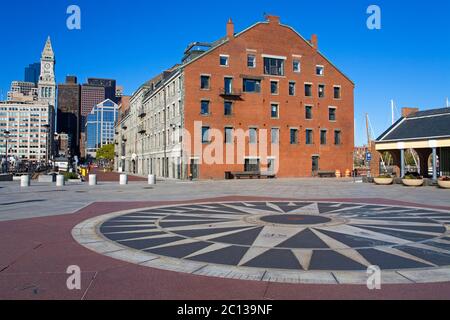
(422, 125)
(220, 42)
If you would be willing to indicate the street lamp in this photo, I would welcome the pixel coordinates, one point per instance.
(47, 126)
(6, 133)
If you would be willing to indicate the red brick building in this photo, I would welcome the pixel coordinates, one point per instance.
(314, 99)
(266, 97)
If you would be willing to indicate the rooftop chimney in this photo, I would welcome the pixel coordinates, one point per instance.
(409, 111)
(273, 19)
(230, 29)
(315, 41)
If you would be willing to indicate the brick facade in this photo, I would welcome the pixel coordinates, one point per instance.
(253, 109)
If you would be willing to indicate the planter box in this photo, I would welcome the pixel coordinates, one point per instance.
(444, 184)
(383, 181)
(413, 182)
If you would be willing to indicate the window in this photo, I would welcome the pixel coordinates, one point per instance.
(274, 66)
(224, 61)
(252, 165)
(253, 133)
(251, 85)
(228, 108)
(321, 91)
(251, 61)
(294, 136)
(271, 165)
(274, 111)
(296, 66)
(205, 135)
(274, 87)
(323, 137)
(275, 135)
(228, 135)
(337, 92)
(228, 83)
(320, 70)
(292, 88)
(308, 112)
(205, 82)
(309, 136)
(204, 107)
(308, 90)
(332, 114)
(337, 137)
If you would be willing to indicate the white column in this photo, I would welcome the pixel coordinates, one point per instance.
(123, 179)
(434, 164)
(25, 181)
(60, 180)
(151, 179)
(92, 179)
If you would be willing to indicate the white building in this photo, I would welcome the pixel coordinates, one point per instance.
(30, 127)
(27, 118)
(148, 138)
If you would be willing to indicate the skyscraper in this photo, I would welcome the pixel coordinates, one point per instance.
(32, 73)
(100, 126)
(69, 112)
(108, 84)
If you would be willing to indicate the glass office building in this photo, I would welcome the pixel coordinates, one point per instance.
(100, 126)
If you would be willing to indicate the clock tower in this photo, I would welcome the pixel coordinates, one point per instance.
(47, 82)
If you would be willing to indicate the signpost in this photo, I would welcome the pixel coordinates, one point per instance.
(369, 159)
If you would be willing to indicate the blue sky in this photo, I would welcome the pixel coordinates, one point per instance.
(408, 60)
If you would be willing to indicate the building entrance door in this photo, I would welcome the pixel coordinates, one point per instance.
(194, 169)
(315, 165)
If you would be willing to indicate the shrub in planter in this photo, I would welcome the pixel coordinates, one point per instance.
(444, 182)
(71, 176)
(412, 180)
(384, 179)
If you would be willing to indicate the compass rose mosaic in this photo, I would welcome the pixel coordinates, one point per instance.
(299, 241)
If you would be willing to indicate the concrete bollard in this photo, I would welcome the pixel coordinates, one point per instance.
(151, 179)
(92, 179)
(60, 180)
(25, 181)
(123, 179)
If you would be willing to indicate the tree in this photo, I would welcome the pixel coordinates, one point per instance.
(106, 152)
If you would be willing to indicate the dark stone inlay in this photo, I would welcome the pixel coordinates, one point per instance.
(180, 217)
(399, 234)
(434, 229)
(305, 239)
(189, 223)
(276, 259)
(245, 238)
(125, 236)
(295, 219)
(147, 243)
(354, 241)
(440, 259)
(445, 246)
(389, 261)
(229, 256)
(332, 260)
(106, 229)
(180, 251)
(207, 231)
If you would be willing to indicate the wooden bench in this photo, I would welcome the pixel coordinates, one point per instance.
(250, 175)
(326, 174)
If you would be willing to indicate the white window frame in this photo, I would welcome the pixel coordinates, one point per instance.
(228, 60)
(323, 70)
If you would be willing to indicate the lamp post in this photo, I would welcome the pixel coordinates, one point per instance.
(6, 134)
(47, 126)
